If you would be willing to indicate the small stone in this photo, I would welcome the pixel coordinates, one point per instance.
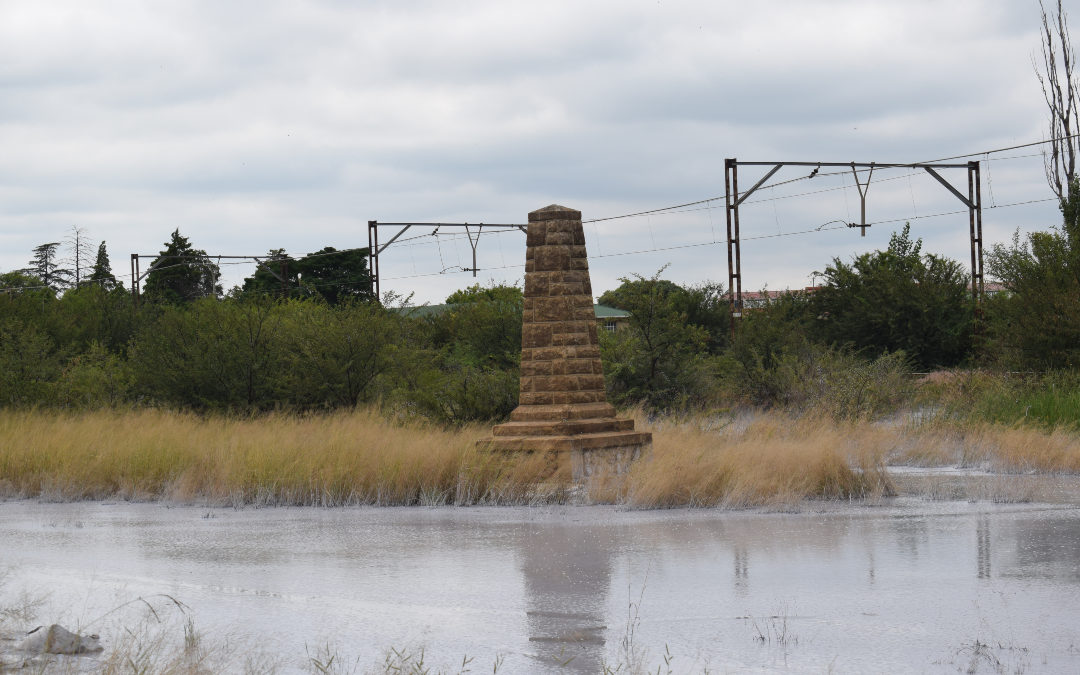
(58, 640)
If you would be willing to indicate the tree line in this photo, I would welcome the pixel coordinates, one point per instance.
(304, 333)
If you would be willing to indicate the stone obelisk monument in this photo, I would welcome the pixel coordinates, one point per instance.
(562, 409)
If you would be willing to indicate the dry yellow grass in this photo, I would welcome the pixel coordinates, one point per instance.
(1008, 449)
(764, 460)
(363, 458)
(282, 459)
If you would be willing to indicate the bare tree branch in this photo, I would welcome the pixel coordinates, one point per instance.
(1059, 89)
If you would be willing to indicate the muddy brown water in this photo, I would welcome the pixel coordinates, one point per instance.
(909, 585)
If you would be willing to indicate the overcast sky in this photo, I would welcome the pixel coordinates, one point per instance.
(259, 125)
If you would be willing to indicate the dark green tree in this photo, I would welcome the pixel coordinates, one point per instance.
(483, 325)
(470, 370)
(1036, 323)
(334, 275)
(29, 364)
(20, 281)
(335, 356)
(210, 354)
(896, 299)
(182, 273)
(102, 274)
(330, 275)
(276, 275)
(91, 314)
(661, 358)
(45, 266)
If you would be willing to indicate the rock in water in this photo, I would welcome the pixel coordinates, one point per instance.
(58, 640)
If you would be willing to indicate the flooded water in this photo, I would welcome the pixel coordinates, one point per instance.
(912, 586)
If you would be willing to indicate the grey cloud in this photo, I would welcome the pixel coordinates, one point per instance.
(261, 124)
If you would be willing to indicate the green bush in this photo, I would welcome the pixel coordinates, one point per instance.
(94, 379)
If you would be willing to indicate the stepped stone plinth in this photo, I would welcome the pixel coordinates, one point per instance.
(563, 410)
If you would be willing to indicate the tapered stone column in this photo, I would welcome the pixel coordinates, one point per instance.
(562, 407)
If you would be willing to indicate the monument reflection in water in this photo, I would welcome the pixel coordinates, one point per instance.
(567, 587)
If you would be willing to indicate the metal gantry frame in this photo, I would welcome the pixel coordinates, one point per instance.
(973, 201)
(375, 250)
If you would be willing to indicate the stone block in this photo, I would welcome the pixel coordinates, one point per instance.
(530, 368)
(553, 309)
(536, 284)
(551, 258)
(565, 289)
(582, 352)
(536, 335)
(554, 212)
(568, 339)
(585, 397)
(583, 313)
(547, 383)
(590, 381)
(543, 353)
(536, 398)
(572, 367)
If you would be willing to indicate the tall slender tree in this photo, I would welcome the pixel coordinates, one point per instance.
(102, 274)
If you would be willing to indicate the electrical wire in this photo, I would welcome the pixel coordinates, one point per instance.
(837, 173)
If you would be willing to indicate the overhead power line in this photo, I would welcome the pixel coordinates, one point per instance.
(835, 173)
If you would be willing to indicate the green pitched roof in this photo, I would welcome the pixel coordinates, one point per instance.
(609, 312)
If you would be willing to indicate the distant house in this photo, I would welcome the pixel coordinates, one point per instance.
(761, 299)
(992, 288)
(611, 319)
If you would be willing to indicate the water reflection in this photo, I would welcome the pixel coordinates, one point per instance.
(567, 575)
(742, 569)
(982, 547)
(1043, 547)
(902, 589)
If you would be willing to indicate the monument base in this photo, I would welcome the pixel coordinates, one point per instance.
(585, 438)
